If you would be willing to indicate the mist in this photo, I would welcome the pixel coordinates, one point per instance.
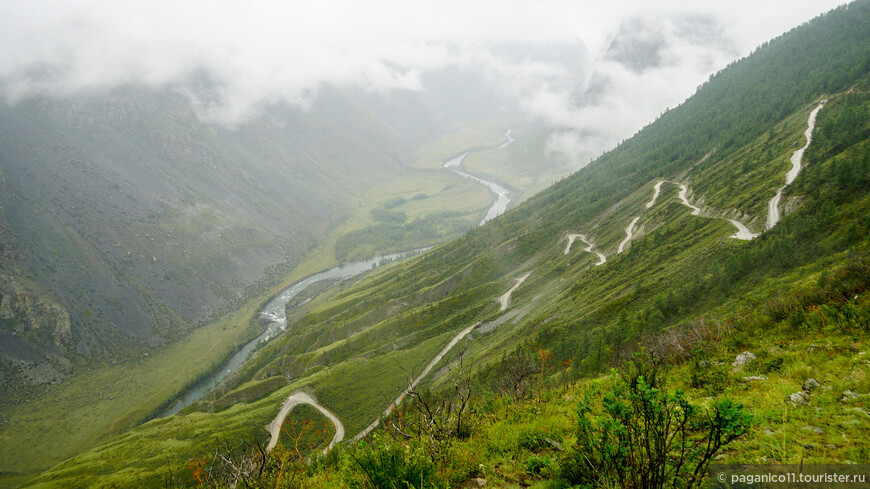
(596, 72)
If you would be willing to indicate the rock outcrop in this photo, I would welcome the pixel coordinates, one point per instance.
(35, 334)
(28, 313)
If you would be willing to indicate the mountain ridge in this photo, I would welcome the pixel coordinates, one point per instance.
(135, 176)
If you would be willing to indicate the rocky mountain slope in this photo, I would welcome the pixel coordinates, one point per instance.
(126, 220)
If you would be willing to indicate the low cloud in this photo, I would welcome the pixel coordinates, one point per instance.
(233, 58)
(651, 63)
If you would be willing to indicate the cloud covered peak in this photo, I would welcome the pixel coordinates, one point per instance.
(234, 58)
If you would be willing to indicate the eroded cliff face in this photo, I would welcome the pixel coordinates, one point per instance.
(33, 315)
(37, 341)
(35, 337)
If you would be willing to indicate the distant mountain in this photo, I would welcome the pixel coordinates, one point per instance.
(132, 220)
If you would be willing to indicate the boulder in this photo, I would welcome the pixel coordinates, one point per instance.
(811, 384)
(799, 397)
(742, 359)
(848, 396)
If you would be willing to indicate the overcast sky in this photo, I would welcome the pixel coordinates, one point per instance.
(261, 52)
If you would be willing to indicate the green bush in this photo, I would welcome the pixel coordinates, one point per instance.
(708, 375)
(461, 464)
(385, 215)
(533, 440)
(773, 365)
(394, 202)
(389, 465)
(648, 438)
(538, 465)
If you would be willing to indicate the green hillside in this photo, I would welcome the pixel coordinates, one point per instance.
(137, 242)
(682, 286)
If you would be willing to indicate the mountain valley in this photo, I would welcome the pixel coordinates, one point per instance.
(716, 262)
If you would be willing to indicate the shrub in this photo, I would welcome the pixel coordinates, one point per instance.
(708, 375)
(648, 438)
(538, 465)
(462, 464)
(773, 365)
(533, 440)
(389, 465)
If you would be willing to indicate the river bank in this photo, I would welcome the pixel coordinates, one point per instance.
(502, 200)
(273, 315)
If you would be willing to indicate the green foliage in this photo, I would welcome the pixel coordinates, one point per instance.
(708, 375)
(384, 464)
(733, 108)
(249, 392)
(844, 123)
(526, 442)
(540, 466)
(385, 215)
(392, 233)
(773, 365)
(397, 201)
(532, 440)
(649, 438)
(513, 375)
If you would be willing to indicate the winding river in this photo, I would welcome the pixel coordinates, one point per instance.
(509, 140)
(274, 311)
(501, 194)
(274, 314)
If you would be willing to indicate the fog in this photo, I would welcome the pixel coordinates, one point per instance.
(598, 71)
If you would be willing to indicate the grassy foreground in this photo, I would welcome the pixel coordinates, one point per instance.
(796, 402)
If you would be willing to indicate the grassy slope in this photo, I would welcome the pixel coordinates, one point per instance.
(87, 421)
(756, 170)
(564, 295)
(508, 442)
(109, 399)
